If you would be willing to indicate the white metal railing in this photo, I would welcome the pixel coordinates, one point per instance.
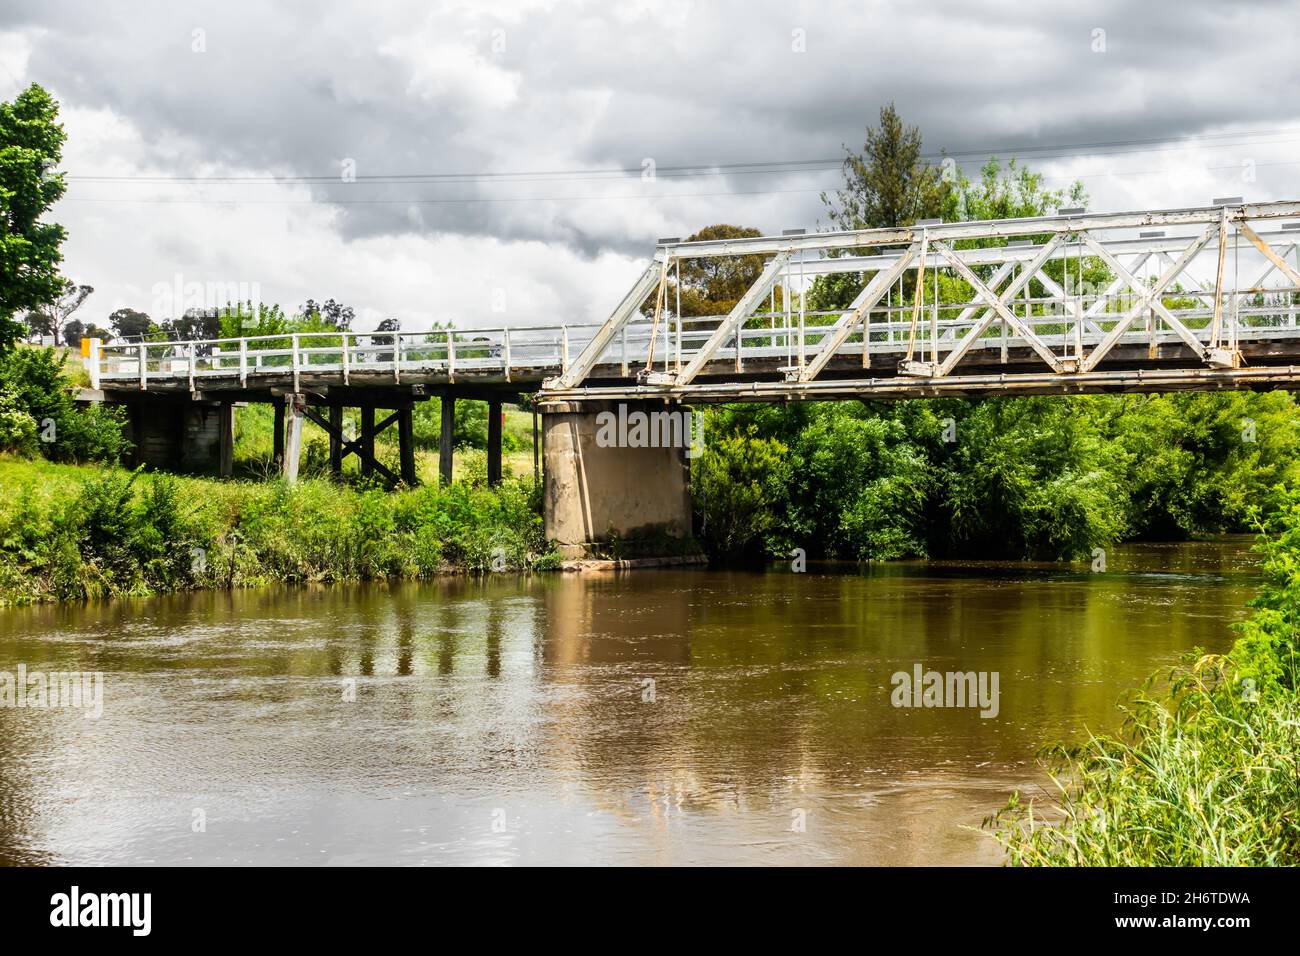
(530, 353)
(297, 354)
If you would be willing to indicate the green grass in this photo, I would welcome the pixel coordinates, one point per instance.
(71, 532)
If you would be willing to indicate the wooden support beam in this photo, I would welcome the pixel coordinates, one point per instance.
(494, 443)
(293, 424)
(445, 439)
(226, 426)
(367, 449)
(277, 442)
(336, 440)
(406, 444)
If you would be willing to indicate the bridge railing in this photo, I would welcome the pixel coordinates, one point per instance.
(788, 338)
(792, 338)
(506, 350)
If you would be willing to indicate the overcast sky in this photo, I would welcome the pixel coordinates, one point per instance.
(152, 91)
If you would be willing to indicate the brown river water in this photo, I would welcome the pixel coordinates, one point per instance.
(650, 717)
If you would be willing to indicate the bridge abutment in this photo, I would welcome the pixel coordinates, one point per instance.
(183, 435)
(607, 491)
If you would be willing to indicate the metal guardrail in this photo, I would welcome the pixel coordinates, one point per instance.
(529, 354)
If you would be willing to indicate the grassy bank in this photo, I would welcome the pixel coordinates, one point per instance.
(70, 532)
(1206, 771)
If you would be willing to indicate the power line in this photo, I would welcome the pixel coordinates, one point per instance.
(434, 202)
(774, 167)
(324, 201)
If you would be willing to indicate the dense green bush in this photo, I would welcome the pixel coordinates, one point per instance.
(37, 413)
(740, 485)
(1039, 477)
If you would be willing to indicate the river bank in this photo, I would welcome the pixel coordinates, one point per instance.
(70, 532)
(1203, 770)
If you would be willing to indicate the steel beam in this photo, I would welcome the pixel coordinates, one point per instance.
(1154, 302)
(986, 229)
(732, 323)
(999, 306)
(1145, 296)
(1007, 315)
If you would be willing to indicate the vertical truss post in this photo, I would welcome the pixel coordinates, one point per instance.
(732, 323)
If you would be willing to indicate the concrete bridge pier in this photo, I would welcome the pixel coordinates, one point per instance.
(608, 492)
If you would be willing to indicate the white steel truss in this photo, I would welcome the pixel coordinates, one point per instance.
(1021, 282)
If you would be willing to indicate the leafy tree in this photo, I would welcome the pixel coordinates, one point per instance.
(710, 286)
(38, 322)
(194, 324)
(130, 324)
(10, 332)
(888, 184)
(333, 314)
(241, 319)
(51, 319)
(31, 146)
(740, 485)
(386, 325)
(713, 286)
(73, 333)
(36, 385)
(1011, 193)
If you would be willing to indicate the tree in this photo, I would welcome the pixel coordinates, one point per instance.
(710, 286)
(888, 184)
(1013, 193)
(386, 325)
(130, 324)
(55, 315)
(334, 314)
(715, 285)
(73, 333)
(195, 324)
(31, 145)
(37, 322)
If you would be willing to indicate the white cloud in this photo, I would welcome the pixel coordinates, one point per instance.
(466, 87)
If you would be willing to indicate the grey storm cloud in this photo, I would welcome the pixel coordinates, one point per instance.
(297, 89)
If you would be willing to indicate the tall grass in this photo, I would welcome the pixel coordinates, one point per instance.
(70, 533)
(1207, 774)
(1206, 768)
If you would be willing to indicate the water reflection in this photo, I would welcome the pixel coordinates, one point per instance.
(658, 717)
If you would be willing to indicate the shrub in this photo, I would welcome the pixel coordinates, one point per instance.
(740, 484)
(36, 384)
